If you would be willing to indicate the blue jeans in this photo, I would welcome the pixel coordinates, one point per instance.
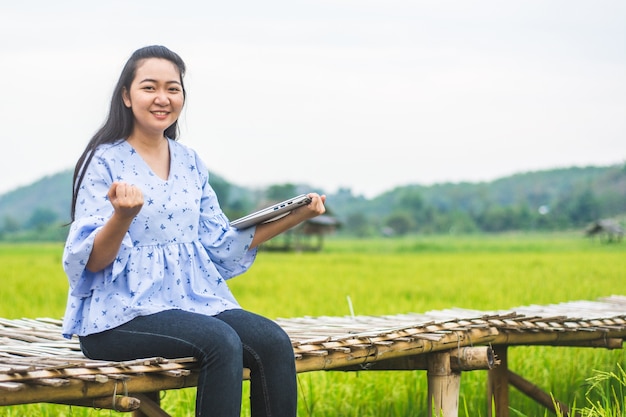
(223, 344)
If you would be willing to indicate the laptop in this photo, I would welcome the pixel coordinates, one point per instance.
(271, 213)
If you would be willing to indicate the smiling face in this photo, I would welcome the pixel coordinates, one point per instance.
(155, 97)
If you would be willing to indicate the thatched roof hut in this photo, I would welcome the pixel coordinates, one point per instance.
(308, 236)
(610, 229)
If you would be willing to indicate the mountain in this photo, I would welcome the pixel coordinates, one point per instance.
(51, 193)
(535, 189)
(597, 191)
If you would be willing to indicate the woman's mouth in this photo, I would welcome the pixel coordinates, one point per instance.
(160, 114)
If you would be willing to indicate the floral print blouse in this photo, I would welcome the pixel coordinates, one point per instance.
(177, 254)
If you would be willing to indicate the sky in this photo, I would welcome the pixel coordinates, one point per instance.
(366, 95)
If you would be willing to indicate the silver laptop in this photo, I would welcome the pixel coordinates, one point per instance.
(271, 213)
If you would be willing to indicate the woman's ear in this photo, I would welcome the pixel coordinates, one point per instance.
(126, 98)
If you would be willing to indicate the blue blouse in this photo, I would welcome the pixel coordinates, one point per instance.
(177, 253)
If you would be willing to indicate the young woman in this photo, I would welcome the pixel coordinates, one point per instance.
(149, 252)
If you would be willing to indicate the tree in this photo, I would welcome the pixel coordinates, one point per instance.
(41, 218)
(10, 224)
(454, 222)
(580, 208)
(497, 219)
(281, 192)
(221, 188)
(357, 224)
(401, 222)
(410, 203)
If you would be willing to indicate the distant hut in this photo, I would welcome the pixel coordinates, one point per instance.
(308, 236)
(606, 229)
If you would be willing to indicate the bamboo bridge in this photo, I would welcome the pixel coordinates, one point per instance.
(37, 365)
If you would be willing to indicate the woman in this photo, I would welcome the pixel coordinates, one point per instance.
(149, 251)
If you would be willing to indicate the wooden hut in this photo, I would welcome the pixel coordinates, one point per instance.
(606, 229)
(308, 236)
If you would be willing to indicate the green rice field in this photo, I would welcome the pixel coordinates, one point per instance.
(391, 276)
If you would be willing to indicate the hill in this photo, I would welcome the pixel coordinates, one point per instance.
(553, 199)
(547, 200)
(51, 194)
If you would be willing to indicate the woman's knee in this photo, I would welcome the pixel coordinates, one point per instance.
(261, 336)
(219, 341)
(281, 339)
(273, 344)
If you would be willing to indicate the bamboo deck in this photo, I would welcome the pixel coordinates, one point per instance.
(38, 365)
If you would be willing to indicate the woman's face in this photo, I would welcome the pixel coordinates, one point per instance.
(155, 96)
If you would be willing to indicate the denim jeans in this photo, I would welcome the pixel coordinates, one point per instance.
(223, 344)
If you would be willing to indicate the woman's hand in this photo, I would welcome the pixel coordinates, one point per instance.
(266, 231)
(313, 209)
(126, 199)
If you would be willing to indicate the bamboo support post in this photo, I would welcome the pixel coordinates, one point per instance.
(150, 405)
(443, 386)
(537, 394)
(498, 386)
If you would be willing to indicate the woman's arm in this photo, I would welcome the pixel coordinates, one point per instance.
(266, 231)
(127, 201)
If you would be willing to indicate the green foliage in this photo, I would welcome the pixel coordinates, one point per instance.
(558, 199)
(281, 192)
(401, 222)
(551, 200)
(10, 225)
(41, 218)
(53, 193)
(606, 395)
(359, 226)
(389, 276)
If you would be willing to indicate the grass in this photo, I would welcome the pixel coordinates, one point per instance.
(388, 276)
(610, 390)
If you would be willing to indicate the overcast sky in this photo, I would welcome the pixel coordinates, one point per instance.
(366, 95)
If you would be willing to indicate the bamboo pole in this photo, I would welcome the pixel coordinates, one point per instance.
(461, 359)
(537, 394)
(498, 386)
(120, 403)
(373, 352)
(558, 338)
(77, 390)
(150, 406)
(607, 343)
(109, 369)
(472, 358)
(443, 386)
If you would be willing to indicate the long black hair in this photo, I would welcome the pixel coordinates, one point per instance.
(119, 123)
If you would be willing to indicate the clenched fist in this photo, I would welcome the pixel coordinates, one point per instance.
(126, 199)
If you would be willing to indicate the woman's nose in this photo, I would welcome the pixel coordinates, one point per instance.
(162, 98)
